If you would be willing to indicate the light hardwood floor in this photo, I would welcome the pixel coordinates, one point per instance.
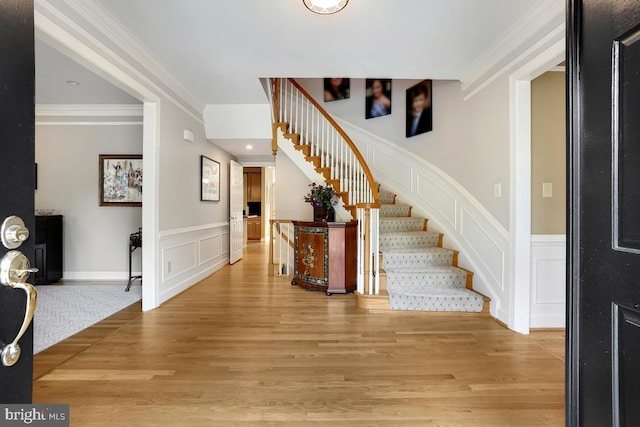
(244, 349)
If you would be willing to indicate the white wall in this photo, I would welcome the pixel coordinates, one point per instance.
(95, 238)
(193, 234)
(179, 172)
(469, 141)
(290, 187)
(548, 281)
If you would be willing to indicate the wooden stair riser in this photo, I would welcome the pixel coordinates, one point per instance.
(326, 172)
(304, 149)
(315, 160)
(335, 183)
(294, 138)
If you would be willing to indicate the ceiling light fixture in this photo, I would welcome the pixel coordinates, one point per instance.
(73, 83)
(325, 7)
(249, 147)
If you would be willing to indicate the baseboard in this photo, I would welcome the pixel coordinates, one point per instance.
(111, 276)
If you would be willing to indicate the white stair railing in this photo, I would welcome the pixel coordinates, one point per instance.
(281, 252)
(308, 125)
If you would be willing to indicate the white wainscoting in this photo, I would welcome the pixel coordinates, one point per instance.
(188, 255)
(548, 280)
(468, 227)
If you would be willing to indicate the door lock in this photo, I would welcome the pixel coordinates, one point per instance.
(13, 232)
(14, 271)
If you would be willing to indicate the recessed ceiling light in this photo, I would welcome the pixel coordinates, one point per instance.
(249, 147)
(73, 83)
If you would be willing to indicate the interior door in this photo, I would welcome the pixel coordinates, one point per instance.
(236, 228)
(16, 180)
(603, 335)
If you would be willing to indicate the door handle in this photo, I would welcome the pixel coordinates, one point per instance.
(13, 232)
(14, 271)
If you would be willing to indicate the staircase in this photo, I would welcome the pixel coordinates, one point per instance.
(420, 274)
(417, 272)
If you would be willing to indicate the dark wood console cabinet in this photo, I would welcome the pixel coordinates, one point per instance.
(326, 256)
(48, 255)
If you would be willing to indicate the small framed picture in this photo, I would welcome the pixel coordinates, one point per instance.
(336, 88)
(209, 180)
(419, 109)
(120, 179)
(378, 97)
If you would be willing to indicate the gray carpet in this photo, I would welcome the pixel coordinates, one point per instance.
(64, 310)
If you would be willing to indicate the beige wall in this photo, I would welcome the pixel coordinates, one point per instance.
(548, 148)
(94, 237)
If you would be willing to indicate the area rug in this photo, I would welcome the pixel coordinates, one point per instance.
(64, 310)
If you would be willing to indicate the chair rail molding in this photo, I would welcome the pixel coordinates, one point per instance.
(189, 254)
(483, 242)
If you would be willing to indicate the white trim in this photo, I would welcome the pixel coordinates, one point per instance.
(439, 172)
(165, 234)
(548, 281)
(520, 202)
(150, 206)
(547, 40)
(110, 276)
(77, 123)
(467, 225)
(548, 239)
(67, 36)
(190, 258)
(95, 14)
(544, 21)
(520, 181)
(89, 110)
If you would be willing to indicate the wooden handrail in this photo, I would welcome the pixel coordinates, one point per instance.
(343, 134)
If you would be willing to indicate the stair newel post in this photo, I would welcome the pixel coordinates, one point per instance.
(271, 240)
(368, 264)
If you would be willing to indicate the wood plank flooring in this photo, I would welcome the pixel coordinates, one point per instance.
(245, 349)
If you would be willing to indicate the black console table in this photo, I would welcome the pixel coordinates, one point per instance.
(135, 242)
(48, 249)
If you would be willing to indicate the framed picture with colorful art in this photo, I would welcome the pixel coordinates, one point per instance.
(120, 179)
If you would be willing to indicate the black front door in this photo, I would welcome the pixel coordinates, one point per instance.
(16, 178)
(603, 334)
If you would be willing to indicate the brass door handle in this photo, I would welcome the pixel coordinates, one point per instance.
(14, 271)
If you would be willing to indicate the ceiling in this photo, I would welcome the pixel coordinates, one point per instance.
(217, 50)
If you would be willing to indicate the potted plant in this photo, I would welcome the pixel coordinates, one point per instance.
(323, 198)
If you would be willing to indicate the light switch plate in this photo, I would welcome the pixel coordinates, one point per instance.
(497, 190)
(547, 189)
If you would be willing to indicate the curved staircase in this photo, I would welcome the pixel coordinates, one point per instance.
(417, 272)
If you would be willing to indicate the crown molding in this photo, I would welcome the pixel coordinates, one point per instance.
(100, 19)
(544, 24)
(64, 33)
(89, 110)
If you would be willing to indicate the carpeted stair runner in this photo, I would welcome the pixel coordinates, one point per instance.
(420, 273)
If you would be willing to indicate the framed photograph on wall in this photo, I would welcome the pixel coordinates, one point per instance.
(209, 180)
(336, 88)
(419, 109)
(378, 98)
(120, 179)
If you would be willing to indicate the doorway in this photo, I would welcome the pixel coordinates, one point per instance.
(520, 182)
